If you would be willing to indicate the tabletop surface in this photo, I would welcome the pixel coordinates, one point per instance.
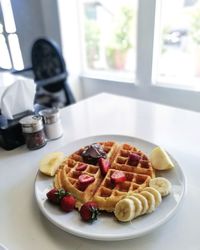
(24, 227)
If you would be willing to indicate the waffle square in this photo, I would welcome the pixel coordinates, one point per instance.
(67, 178)
(122, 161)
(109, 194)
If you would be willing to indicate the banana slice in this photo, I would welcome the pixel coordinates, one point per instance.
(144, 202)
(50, 163)
(161, 184)
(156, 194)
(160, 159)
(151, 201)
(125, 210)
(138, 205)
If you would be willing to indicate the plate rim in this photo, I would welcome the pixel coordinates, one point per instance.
(111, 237)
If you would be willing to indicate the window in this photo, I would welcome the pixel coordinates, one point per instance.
(179, 58)
(109, 35)
(10, 51)
(160, 66)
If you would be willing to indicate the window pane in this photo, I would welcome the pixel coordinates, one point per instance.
(8, 16)
(109, 34)
(15, 52)
(5, 57)
(179, 57)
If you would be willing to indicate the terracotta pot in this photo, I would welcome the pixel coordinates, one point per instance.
(120, 59)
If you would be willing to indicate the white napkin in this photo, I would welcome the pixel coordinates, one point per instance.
(18, 97)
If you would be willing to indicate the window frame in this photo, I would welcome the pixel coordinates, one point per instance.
(6, 35)
(145, 85)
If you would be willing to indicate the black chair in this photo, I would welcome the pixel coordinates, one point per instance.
(50, 75)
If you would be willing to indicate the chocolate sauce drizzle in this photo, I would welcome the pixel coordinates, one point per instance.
(92, 153)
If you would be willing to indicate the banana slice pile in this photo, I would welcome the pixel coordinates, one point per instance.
(137, 204)
(144, 202)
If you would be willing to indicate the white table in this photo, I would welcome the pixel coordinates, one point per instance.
(22, 225)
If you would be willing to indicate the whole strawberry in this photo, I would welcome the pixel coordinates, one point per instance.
(67, 203)
(89, 211)
(56, 195)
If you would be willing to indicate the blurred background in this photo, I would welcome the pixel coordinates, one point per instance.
(142, 49)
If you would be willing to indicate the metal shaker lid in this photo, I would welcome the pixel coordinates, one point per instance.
(31, 123)
(50, 115)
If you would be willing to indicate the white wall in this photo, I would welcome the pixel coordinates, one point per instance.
(29, 25)
(51, 20)
(176, 98)
(71, 45)
(35, 19)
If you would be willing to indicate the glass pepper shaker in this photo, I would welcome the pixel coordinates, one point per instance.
(33, 130)
(52, 123)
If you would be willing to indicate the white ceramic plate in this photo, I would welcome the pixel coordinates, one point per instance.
(106, 227)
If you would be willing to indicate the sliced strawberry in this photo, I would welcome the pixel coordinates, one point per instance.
(118, 177)
(84, 181)
(89, 211)
(81, 167)
(56, 195)
(67, 203)
(134, 159)
(104, 165)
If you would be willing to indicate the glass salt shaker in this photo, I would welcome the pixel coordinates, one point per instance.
(52, 123)
(33, 130)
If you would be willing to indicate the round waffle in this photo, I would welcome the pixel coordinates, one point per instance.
(102, 190)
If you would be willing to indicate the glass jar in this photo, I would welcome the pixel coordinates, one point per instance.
(52, 123)
(33, 130)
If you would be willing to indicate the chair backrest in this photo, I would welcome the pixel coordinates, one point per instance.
(49, 69)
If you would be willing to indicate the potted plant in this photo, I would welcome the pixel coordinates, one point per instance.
(121, 42)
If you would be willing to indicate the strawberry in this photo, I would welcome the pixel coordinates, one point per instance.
(81, 167)
(67, 203)
(118, 177)
(89, 211)
(104, 165)
(134, 159)
(56, 195)
(84, 181)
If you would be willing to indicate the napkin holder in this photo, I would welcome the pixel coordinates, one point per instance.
(11, 135)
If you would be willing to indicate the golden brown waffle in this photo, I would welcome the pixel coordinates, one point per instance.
(109, 147)
(109, 194)
(122, 161)
(67, 178)
(102, 190)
